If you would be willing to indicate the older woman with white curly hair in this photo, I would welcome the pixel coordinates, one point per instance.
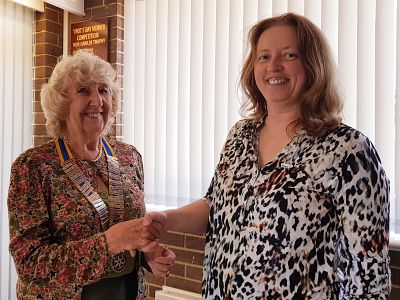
(76, 203)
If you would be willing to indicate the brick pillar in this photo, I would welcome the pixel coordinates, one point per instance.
(114, 11)
(48, 45)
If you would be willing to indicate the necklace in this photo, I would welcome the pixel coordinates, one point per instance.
(99, 155)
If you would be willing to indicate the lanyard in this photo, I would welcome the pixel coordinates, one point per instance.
(76, 175)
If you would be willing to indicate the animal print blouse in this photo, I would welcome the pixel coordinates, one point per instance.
(56, 238)
(311, 224)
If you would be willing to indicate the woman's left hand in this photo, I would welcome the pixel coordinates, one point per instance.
(161, 265)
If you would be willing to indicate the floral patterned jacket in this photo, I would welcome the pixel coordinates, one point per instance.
(56, 239)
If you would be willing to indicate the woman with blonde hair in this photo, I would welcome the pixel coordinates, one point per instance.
(298, 207)
(76, 203)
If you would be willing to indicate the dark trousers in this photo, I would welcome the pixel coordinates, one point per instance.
(116, 288)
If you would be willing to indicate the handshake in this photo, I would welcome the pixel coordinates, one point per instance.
(144, 235)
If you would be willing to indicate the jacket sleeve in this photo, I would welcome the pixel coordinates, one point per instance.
(39, 258)
(362, 264)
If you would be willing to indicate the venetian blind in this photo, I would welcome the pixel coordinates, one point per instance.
(16, 27)
(181, 92)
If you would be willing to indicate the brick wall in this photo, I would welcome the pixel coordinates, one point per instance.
(48, 46)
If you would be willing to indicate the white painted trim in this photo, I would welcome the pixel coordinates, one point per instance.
(33, 4)
(65, 34)
(170, 293)
(73, 6)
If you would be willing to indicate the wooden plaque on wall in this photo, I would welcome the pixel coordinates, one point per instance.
(91, 36)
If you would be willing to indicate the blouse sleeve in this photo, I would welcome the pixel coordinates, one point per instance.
(234, 137)
(363, 211)
(38, 257)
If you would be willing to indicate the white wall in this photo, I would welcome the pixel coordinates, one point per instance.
(16, 27)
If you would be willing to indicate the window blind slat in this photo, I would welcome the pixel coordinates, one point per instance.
(221, 81)
(161, 99)
(138, 80)
(171, 111)
(366, 68)
(330, 24)
(203, 16)
(312, 10)
(250, 17)
(279, 7)
(347, 58)
(7, 137)
(210, 84)
(129, 116)
(16, 28)
(395, 208)
(235, 50)
(2, 96)
(264, 8)
(296, 6)
(183, 181)
(385, 89)
(129, 74)
(17, 103)
(149, 96)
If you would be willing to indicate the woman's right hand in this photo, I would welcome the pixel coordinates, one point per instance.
(191, 218)
(130, 235)
(155, 220)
